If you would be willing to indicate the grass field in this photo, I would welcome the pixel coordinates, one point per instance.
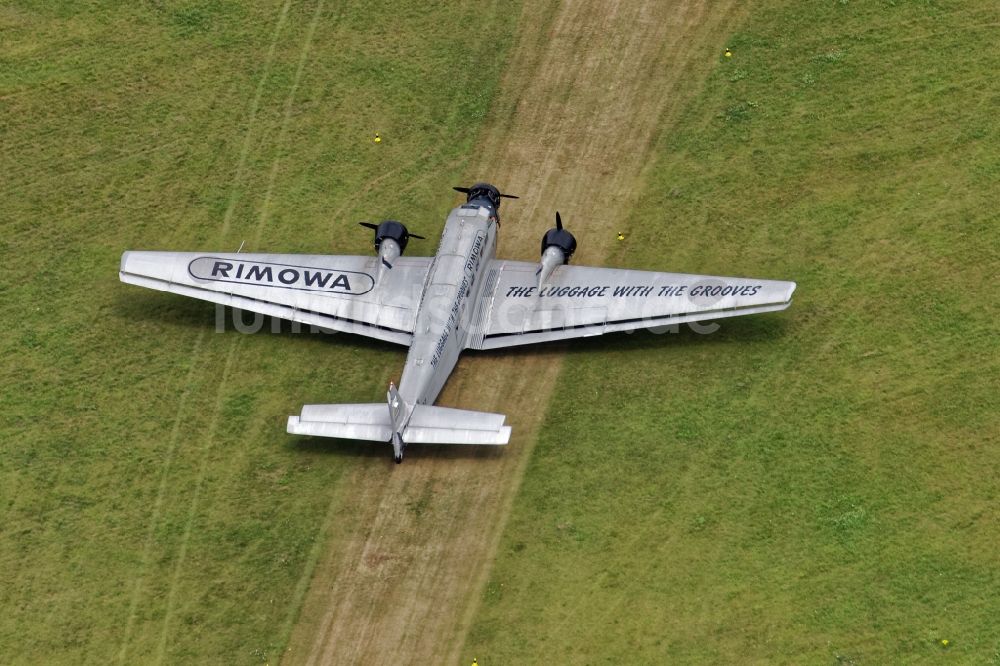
(153, 508)
(817, 486)
(812, 487)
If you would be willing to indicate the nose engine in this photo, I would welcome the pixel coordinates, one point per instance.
(558, 246)
(484, 195)
(391, 238)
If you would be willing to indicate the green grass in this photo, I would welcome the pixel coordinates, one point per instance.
(816, 486)
(152, 507)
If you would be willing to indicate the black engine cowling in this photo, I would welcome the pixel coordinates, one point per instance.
(393, 230)
(560, 238)
(484, 195)
(390, 230)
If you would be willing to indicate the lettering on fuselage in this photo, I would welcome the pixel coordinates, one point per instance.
(471, 270)
(263, 274)
(633, 291)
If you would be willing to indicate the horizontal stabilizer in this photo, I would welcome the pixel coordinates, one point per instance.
(361, 421)
(443, 425)
(427, 425)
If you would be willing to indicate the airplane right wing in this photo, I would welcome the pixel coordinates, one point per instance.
(580, 301)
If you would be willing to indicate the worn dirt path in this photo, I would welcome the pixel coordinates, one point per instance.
(589, 86)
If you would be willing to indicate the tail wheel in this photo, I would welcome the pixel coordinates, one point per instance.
(398, 446)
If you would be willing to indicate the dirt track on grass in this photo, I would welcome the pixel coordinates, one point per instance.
(588, 88)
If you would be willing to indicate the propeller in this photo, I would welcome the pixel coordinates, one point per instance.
(467, 190)
(559, 238)
(374, 227)
(558, 246)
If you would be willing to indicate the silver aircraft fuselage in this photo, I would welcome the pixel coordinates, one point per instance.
(444, 316)
(447, 305)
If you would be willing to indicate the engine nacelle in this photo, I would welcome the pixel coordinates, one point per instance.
(558, 246)
(562, 241)
(484, 195)
(391, 238)
(391, 230)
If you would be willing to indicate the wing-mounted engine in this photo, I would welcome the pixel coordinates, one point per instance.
(558, 246)
(391, 238)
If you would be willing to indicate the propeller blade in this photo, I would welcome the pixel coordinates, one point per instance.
(558, 221)
(466, 190)
(416, 236)
(370, 225)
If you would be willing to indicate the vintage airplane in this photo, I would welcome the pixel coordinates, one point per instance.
(461, 298)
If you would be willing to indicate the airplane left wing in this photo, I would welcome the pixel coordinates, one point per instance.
(330, 291)
(580, 301)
